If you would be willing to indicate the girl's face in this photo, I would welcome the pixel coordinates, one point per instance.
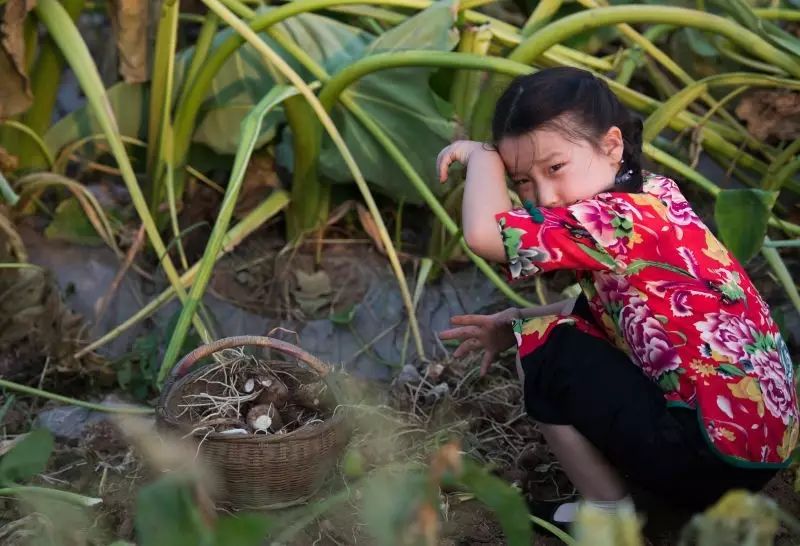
(552, 171)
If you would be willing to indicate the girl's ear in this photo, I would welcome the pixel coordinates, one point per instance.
(613, 144)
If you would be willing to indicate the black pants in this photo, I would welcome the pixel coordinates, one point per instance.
(577, 379)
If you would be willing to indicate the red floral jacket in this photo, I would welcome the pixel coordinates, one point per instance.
(671, 296)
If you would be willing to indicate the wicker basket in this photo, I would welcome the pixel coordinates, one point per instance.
(259, 471)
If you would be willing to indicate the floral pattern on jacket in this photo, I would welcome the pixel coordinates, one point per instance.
(670, 295)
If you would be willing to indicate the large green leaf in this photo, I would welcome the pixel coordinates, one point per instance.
(244, 79)
(129, 105)
(741, 217)
(506, 502)
(28, 457)
(241, 82)
(402, 103)
(166, 513)
(71, 224)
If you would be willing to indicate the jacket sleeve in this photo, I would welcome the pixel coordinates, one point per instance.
(545, 239)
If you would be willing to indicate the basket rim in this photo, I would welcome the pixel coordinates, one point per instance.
(302, 433)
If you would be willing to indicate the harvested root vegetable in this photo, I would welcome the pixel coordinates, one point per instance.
(313, 396)
(275, 392)
(264, 418)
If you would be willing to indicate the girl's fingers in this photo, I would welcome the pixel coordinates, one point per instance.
(444, 163)
(462, 332)
(467, 347)
(471, 320)
(486, 362)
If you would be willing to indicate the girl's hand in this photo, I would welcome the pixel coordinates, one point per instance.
(490, 333)
(461, 151)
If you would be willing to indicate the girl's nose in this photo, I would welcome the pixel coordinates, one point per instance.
(547, 197)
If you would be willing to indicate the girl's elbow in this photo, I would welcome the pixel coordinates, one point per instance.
(488, 247)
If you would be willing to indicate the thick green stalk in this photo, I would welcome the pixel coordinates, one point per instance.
(189, 106)
(251, 128)
(25, 389)
(188, 109)
(391, 148)
(634, 37)
(543, 12)
(569, 26)
(737, 57)
(69, 41)
(778, 266)
(274, 59)
(161, 93)
(45, 80)
(276, 202)
(775, 175)
(778, 14)
(679, 102)
(201, 50)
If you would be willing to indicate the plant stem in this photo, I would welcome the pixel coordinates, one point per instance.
(45, 83)
(251, 128)
(543, 12)
(55, 494)
(679, 102)
(692, 175)
(337, 139)
(561, 535)
(559, 31)
(276, 201)
(34, 137)
(72, 401)
(781, 272)
(69, 41)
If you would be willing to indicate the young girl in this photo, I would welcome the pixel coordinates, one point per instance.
(668, 371)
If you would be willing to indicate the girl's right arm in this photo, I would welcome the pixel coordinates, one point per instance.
(485, 195)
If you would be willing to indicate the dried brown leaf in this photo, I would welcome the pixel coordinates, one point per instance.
(260, 179)
(369, 225)
(8, 162)
(771, 113)
(15, 88)
(129, 19)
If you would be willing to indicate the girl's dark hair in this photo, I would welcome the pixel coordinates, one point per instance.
(577, 104)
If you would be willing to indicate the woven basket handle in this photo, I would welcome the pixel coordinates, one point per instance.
(237, 341)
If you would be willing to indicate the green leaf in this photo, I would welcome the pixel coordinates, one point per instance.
(71, 224)
(242, 530)
(344, 317)
(244, 79)
(28, 457)
(506, 502)
(128, 103)
(400, 101)
(731, 369)
(167, 514)
(741, 217)
(699, 44)
(387, 515)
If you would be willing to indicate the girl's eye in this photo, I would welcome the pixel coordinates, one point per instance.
(555, 168)
(519, 182)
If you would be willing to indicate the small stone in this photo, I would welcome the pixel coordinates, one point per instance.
(409, 374)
